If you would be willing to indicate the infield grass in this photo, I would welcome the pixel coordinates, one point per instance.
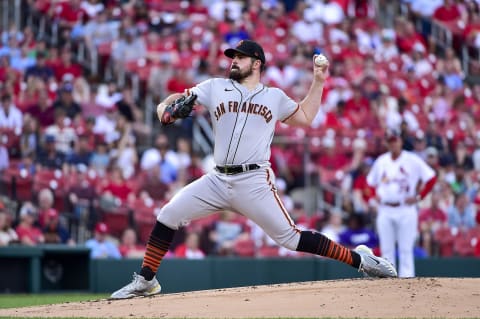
(24, 300)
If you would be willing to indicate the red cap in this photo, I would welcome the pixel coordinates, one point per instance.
(101, 228)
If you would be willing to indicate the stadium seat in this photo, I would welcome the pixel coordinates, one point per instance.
(444, 238)
(244, 248)
(17, 184)
(268, 251)
(117, 220)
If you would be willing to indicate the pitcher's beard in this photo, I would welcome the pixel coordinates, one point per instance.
(238, 75)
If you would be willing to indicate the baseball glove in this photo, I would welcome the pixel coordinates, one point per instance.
(178, 109)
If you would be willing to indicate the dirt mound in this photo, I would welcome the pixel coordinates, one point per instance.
(364, 298)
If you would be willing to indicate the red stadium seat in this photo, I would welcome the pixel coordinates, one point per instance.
(244, 248)
(464, 245)
(445, 240)
(17, 184)
(117, 220)
(268, 251)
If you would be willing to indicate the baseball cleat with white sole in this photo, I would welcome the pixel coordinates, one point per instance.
(138, 287)
(373, 266)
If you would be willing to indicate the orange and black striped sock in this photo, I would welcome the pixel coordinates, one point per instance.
(157, 247)
(315, 243)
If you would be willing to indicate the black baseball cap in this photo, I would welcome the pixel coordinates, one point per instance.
(249, 48)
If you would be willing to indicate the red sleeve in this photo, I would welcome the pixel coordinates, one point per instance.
(427, 187)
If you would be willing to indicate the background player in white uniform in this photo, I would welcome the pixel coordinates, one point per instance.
(401, 179)
(244, 113)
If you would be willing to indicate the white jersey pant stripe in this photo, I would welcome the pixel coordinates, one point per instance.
(398, 226)
(251, 194)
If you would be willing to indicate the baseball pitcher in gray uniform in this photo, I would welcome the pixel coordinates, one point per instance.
(244, 112)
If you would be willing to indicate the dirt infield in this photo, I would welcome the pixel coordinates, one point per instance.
(361, 298)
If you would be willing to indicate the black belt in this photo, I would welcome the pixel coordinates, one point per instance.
(392, 204)
(236, 169)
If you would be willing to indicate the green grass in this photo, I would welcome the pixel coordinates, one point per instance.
(24, 300)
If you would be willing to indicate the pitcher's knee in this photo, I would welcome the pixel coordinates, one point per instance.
(289, 241)
(167, 218)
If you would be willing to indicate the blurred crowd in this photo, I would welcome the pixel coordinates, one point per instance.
(80, 166)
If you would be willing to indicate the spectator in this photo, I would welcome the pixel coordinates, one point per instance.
(151, 157)
(387, 50)
(129, 247)
(308, 30)
(64, 135)
(225, 232)
(195, 169)
(81, 197)
(432, 158)
(476, 153)
(100, 246)
(190, 249)
(82, 154)
(66, 102)
(154, 187)
(28, 233)
(395, 118)
(330, 159)
(461, 214)
(100, 159)
(163, 156)
(10, 115)
(334, 226)
(46, 201)
(460, 182)
(7, 233)
(123, 152)
(450, 68)
(434, 138)
(23, 61)
(448, 12)
(115, 190)
(4, 156)
(92, 8)
(53, 231)
(363, 194)
(130, 47)
(100, 31)
(42, 110)
(30, 138)
(357, 233)
(430, 220)
(282, 74)
(423, 11)
(81, 93)
(66, 66)
(462, 156)
(48, 156)
(40, 69)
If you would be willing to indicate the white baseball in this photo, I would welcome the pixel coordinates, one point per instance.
(321, 60)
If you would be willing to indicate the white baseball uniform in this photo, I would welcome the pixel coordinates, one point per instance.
(394, 181)
(243, 122)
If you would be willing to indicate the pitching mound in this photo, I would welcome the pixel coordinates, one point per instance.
(364, 298)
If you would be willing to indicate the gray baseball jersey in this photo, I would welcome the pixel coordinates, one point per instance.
(243, 121)
(244, 124)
